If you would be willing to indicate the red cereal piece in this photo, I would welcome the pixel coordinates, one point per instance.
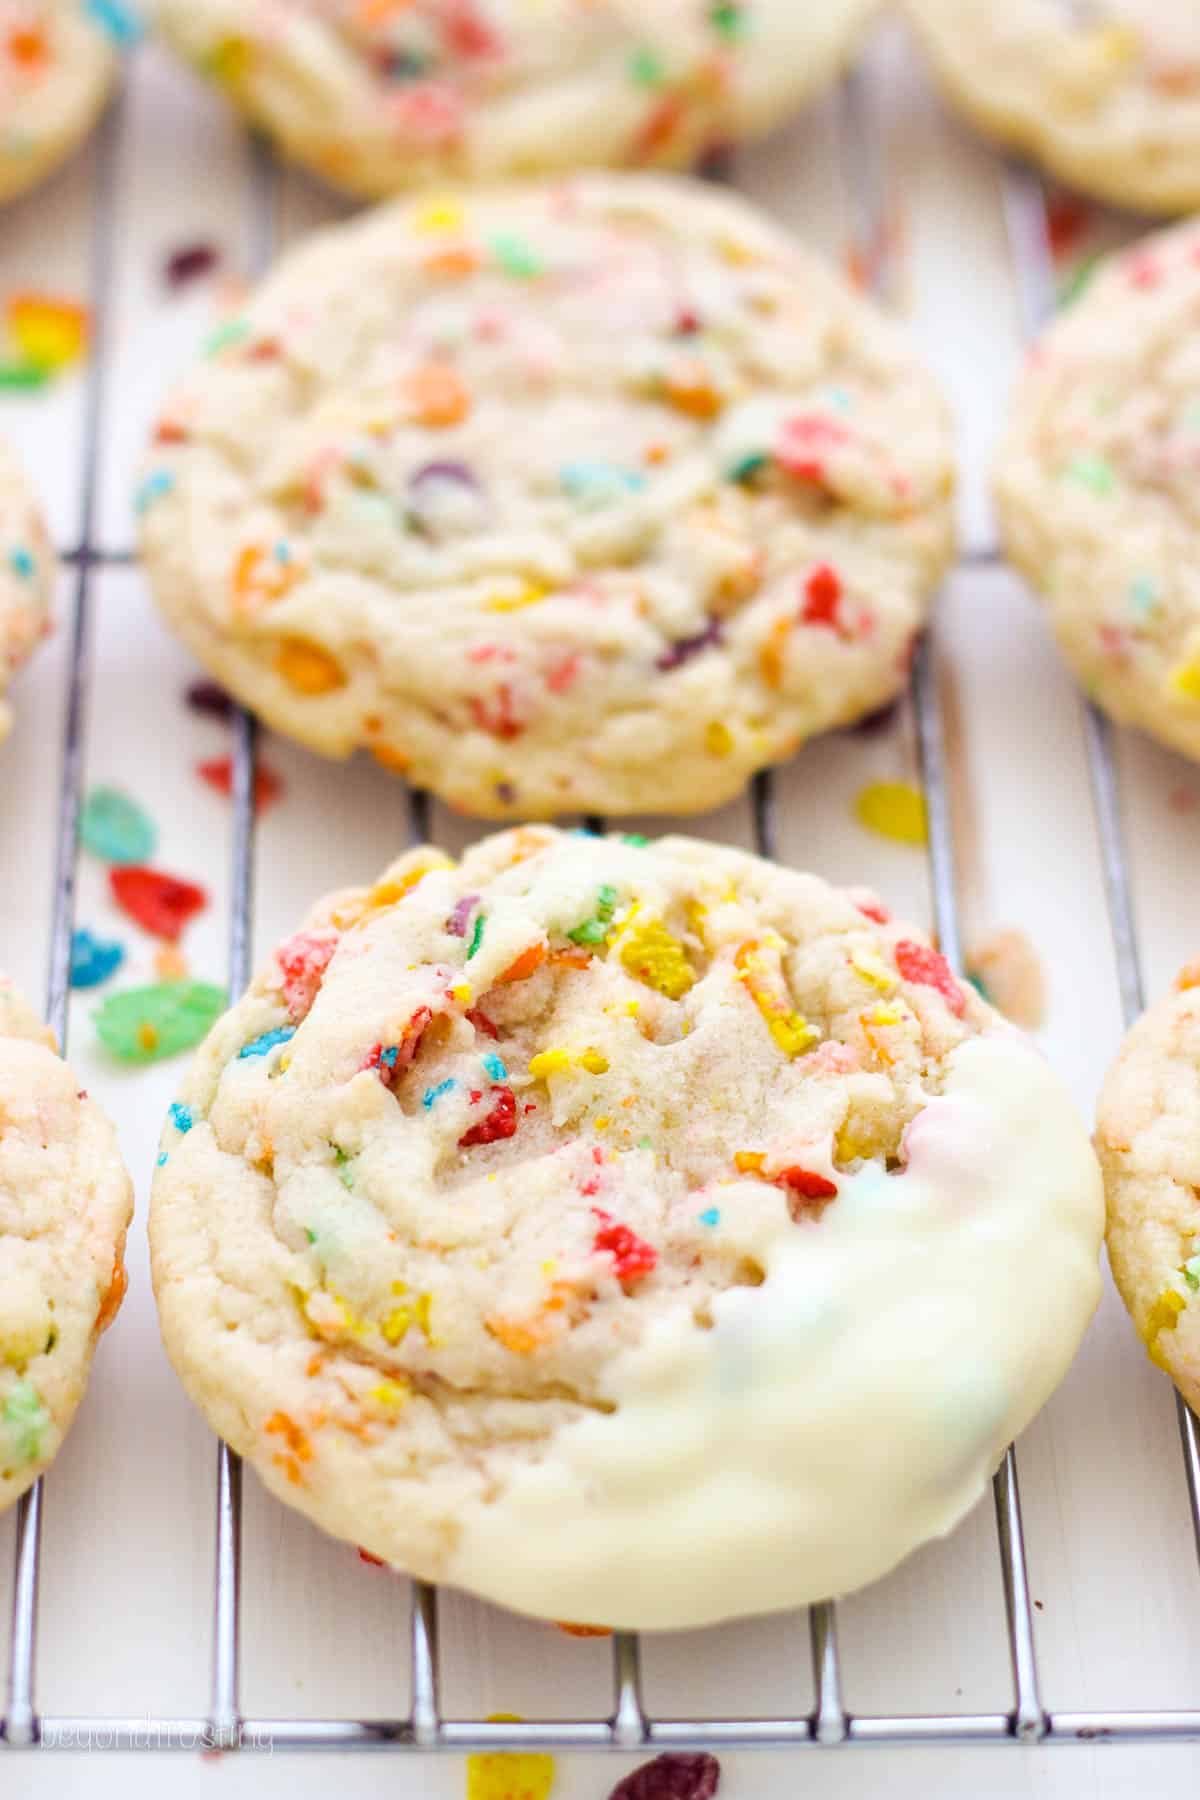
(822, 592)
(679, 1775)
(161, 904)
(268, 786)
(871, 909)
(392, 1059)
(304, 960)
(806, 1191)
(501, 1122)
(929, 968)
(481, 1022)
(376, 1562)
(632, 1256)
(804, 444)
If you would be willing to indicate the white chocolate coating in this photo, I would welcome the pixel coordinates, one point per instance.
(633, 1235)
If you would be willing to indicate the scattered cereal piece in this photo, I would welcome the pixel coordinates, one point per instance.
(93, 960)
(115, 828)
(161, 904)
(147, 1024)
(218, 772)
(509, 1775)
(678, 1775)
(209, 697)
(47, 333)
(893, 809)
(189, 263)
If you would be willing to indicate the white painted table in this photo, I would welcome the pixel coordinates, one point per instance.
(126, 1590)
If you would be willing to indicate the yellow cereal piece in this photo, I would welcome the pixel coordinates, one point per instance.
(718, 739)
(895, 810)
(790, 1030)
(529, 595)
(653, 956)
(549, 1062)
(421, 1312)
(461, 992)
(749, 1162)
(502, 1775)
(440, 212)
(601, 1122)
(308, 668)
(1184, 679)
(395, 1326)
(594, 1062)
(392, 1394)
(1188, 977)
(873, 970)
(1164, 1316)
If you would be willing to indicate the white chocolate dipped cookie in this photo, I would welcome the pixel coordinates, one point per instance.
(57, 66)
(1104, 93)
(1148, 1137)
(65, 1204)
(381, 97)
(635, 1233)
(600, 495)
(27, 573)
(1097, 491)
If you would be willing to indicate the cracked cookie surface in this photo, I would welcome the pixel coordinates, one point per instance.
(1096, 487)
(1150, 1153)
(65, 1205)
(598, 496)
(378, 98)
(633, 1233)
(1105, 93)
(27, 572)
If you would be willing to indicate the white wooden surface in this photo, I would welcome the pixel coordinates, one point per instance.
(126, 1572)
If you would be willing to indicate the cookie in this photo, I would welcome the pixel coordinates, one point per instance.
(382, 98)
(1150, 1152)
(57, 67)
(27, 575)
(1104, 93)
(632, 1233)
(65, 1204)
(1095, 486)
(601, 495)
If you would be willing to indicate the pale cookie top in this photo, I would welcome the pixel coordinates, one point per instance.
(633, 1234)
(27, 572)
(1106, 93)
(1149, 1144)
(57, 65)
(65, 1203)
(600, 495)
(386, 96)
(1097, 489)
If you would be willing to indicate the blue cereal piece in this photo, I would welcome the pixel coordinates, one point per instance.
(435, 1093)
(181, 1117)
(116, 829)
(93, 960)
(266, 1042)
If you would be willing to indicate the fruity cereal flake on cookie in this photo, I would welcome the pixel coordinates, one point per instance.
(597, 496)
(1149, 1146)
(398, 93)
(1105, 93)
(27, 572)
(65, 1205)
(1096, 485)
(635, 1234)
(57, 66)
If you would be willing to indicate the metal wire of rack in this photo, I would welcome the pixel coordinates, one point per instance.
(223, 1726)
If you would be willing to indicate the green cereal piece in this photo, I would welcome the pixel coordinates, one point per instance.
(476, 936)
(115, 828)
(515, 256)
(25, 1419)
(146, 1024)
(1091, 472)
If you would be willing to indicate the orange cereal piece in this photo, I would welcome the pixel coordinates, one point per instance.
(437, 395)
(308, 668)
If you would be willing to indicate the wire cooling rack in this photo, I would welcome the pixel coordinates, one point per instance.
(629, 1725)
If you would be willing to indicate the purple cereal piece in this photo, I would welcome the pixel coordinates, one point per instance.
(675, 1776)
(683, 649)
